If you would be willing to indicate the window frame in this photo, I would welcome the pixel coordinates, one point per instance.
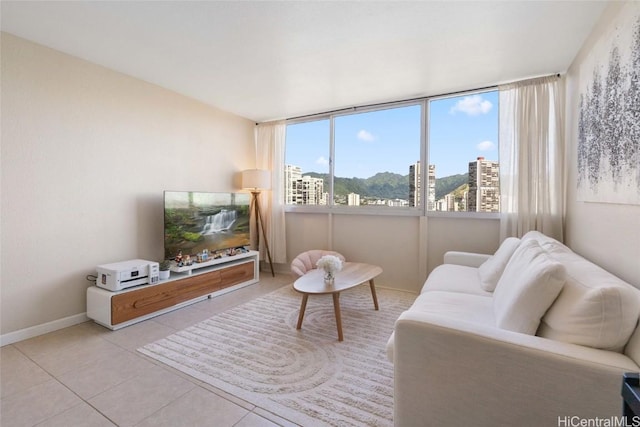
(421, 210)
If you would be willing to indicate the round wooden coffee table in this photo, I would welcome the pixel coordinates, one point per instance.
(351, 275)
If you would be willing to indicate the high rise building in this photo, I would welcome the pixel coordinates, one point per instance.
(353, 199)
(291, 175)
(450, 203)
(431, 189)
(484, 186)
(414, 184)
(309, 191)
(303, 190)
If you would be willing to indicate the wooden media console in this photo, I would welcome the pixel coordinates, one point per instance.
(187, 285)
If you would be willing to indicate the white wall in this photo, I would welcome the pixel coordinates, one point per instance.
(86, 154)
(407, 248)
(607, 234)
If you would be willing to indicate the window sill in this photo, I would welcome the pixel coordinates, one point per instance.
(465, 215)
(362, 210)
(353, 210)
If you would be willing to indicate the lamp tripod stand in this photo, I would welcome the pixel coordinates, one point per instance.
(260, 226)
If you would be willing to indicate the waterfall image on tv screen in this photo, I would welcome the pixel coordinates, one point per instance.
(194, 221)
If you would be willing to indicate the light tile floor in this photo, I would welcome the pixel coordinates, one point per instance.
(87, 375)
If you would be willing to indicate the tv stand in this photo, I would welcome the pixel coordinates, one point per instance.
(187, 285)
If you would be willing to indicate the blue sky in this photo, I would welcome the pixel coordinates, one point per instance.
(461, 129)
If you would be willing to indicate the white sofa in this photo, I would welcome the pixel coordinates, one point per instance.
(549, 344)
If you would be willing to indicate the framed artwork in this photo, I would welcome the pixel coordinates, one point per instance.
(609, 115)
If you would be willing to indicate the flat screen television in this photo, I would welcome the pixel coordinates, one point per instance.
(195, 221)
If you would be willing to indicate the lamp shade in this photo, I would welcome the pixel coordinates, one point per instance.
(256, 179)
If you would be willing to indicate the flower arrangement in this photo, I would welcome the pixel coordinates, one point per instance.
(331, 264)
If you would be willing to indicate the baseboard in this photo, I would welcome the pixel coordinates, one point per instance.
(277, 268)
(42, 329)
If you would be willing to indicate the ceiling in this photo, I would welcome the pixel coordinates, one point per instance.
(267, 60)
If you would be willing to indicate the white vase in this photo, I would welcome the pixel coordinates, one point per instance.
(164, 274)
(329, 278)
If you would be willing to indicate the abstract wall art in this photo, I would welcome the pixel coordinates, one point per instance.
(609, 115)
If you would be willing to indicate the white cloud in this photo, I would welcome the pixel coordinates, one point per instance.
(486, 146)
(322, 161)
(364, 135)
(472, 105)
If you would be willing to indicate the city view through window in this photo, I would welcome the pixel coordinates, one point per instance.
(376, 157)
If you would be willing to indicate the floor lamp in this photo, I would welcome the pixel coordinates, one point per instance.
(256, 180)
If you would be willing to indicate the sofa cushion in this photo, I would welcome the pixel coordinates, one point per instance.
(594, 309)
(476, 309)
(456, 305)
(454, 278)
(529, 285)
(491, 270)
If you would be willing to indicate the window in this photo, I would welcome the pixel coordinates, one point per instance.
(307, 163)
(377, 154)
(373, 157)
(463, 173)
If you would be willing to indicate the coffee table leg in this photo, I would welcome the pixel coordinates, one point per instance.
(303, 307)
(336, 307)
(373, 294)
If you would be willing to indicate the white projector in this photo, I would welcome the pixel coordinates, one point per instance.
(125, 274)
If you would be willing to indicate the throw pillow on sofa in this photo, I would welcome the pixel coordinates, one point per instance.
(491, 270)
(527, 288)
(594, 309)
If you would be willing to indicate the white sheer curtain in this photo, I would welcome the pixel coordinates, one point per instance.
(532, 157)
(270, 139)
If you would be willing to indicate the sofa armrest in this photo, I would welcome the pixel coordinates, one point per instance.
(452, 372)
(468, 259)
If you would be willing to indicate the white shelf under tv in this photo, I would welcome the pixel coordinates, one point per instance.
(225, 259)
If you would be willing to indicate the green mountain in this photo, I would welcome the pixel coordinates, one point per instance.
(387, 185)
(448, 184)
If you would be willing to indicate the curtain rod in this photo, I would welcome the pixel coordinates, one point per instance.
(379, 104)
